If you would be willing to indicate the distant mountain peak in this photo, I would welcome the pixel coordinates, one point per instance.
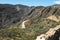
(56, 5)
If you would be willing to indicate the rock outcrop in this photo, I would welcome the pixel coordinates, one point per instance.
(52, 34)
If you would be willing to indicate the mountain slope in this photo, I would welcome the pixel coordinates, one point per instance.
(12, 16)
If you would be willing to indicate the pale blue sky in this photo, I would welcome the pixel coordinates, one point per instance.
(31, 2)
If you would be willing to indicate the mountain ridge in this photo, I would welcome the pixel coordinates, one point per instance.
(17, 13)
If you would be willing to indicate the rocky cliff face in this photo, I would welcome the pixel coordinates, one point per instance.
(55, 34)
(52, 34)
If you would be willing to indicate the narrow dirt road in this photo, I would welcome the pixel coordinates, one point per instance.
(23, 24)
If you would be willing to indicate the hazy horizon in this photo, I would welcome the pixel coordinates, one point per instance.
(31, 2)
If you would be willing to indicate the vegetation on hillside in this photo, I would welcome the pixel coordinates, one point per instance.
(36, 28)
